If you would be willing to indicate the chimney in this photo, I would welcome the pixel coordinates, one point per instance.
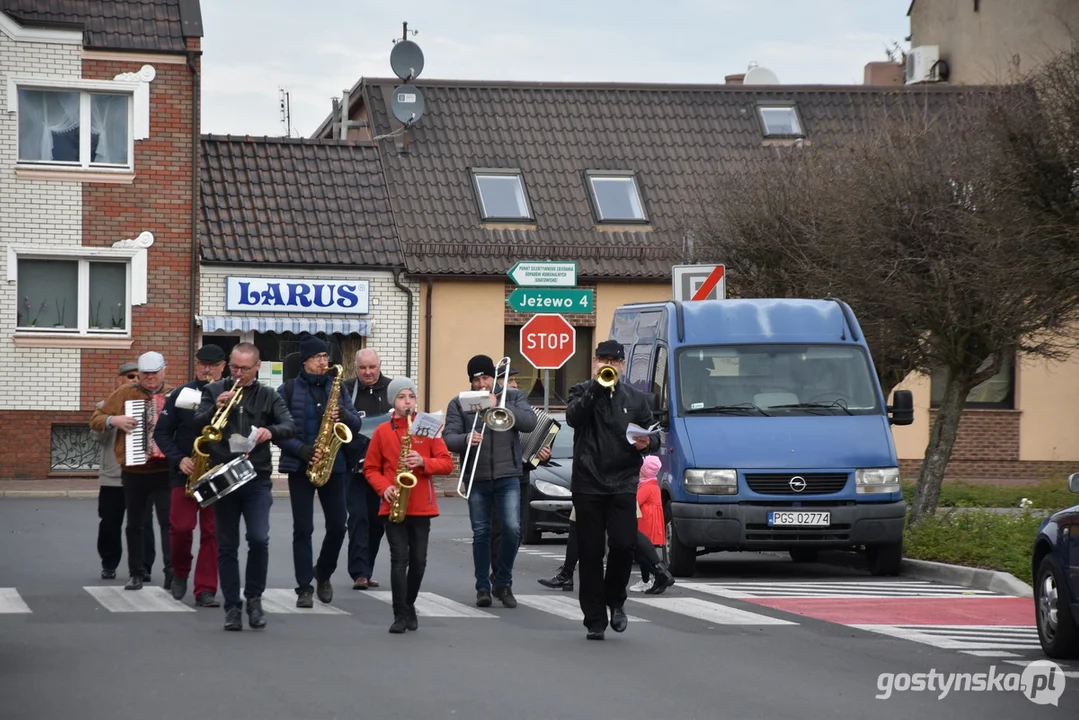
(883, 73)
(735, 79)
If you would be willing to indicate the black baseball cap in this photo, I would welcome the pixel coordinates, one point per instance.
(611, 349)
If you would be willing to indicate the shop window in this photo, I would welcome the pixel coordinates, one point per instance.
(274, 347)
(616, 197)
(75, 128)
(73, 450)
(997, 392)
(73, 295)
(530, 380)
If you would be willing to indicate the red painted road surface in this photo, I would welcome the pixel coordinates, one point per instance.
(1001, 610)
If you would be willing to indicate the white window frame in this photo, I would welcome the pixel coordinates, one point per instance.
(622, 176)
(138, 117)
(478, 173)
(789, 107)
(132, 258)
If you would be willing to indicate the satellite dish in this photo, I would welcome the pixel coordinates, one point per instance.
(407, 104)
(406, 59)
(760, 76)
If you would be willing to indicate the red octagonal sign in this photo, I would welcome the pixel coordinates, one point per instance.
(548, 341)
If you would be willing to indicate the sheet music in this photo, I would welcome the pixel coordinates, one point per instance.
(634, 431)
(475, 400)
(428, 425)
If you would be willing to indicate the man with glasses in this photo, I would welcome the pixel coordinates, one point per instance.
(306, 396)
(606, 467)
(261, 414)
(175, 435)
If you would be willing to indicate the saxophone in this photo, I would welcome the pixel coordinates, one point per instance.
(331, 436)
(405, 480)
(212, 433)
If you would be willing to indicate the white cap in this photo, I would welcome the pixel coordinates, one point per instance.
(151, 362)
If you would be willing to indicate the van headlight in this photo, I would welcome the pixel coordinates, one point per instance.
(711, 482)
(551, 490)
(876, 480)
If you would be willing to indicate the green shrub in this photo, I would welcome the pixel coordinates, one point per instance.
(977, 538)
(1046, 494)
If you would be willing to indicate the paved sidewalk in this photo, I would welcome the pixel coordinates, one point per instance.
(87, 488)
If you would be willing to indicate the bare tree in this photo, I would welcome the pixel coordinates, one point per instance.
(948, 223)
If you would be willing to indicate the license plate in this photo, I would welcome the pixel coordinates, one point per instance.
(788, 517)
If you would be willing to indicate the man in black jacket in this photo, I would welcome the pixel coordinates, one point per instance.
(263, 412)
(604, 484)
(368, 393)
(175, 434)
(497, 487)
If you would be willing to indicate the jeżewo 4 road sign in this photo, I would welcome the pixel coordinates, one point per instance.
(574, 300)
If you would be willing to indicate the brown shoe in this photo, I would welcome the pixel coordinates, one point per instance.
(361, 584)
(372, 583)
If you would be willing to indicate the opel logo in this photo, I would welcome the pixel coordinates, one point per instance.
(797, 483)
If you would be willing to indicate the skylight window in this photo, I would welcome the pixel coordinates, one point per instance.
(616, 197)
(501, 195)
(780, 121)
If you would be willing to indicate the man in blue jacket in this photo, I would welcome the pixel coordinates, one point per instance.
(306, 397)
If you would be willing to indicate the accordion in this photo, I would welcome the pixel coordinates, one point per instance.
(140, 448)
(531, 443)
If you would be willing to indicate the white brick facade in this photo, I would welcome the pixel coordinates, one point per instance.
(388, 316)
(34, 213)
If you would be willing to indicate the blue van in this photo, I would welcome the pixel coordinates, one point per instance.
(776, 435)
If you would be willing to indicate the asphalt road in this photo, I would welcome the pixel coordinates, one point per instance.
(741, 640)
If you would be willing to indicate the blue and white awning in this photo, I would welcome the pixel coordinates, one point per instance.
(247, 323)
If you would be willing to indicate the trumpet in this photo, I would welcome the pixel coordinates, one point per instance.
(607, 376)
(212, 433)
(499, 419)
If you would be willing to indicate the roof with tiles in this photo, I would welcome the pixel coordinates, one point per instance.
(676, 139)
(140, 25)
(293, 201)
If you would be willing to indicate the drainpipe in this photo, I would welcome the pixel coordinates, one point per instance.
(427, 350)
(411, 301)
(194, 209)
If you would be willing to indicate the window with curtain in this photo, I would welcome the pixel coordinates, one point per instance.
(72, 295)
(85, 129)
(998, 392)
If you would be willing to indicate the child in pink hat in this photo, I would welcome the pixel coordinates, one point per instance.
(651, 531)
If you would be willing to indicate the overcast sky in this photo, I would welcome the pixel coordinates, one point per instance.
(317, 48)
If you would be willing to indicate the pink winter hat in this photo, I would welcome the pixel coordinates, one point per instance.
(650, 467)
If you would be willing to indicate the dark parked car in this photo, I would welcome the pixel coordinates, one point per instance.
(546, 504)
(1056, 580)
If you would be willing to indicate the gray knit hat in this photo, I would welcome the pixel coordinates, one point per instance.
(397, 385)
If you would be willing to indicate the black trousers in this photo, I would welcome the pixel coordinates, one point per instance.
(570, 563)
(111, 508)
(615, 515)
(302, 498)
(646, 556)
(139, 491)
(408, 560)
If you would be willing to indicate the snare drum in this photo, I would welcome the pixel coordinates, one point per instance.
(221, 480)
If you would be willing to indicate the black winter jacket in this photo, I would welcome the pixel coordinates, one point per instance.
(604, 462)
(500, 452)
(259, 407)
(175, 433)
(369, 400)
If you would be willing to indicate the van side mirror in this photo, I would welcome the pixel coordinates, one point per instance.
(902, 408)
(1073, 482)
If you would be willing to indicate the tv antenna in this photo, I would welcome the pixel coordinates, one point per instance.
(406, 103)
(758, 75)
(286, 110)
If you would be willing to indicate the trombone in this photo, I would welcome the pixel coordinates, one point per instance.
(498, 418)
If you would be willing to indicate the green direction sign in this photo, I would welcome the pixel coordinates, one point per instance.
(544, 274)
(559, 301)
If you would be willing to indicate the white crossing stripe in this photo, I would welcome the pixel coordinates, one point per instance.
(989, 653)
(963, 637)
(12, 602)
(149, 599)
(284, 602)
(432, 605)
(1072, 673)
(710, 612)
(856, 588)
(560, 606)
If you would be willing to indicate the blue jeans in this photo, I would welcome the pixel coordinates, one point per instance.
(302, 497)
(252, 501)
(501, 498)
(364, 527)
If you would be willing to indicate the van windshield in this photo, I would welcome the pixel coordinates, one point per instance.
(776, 380)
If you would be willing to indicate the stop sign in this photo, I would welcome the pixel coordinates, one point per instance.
(548, 341)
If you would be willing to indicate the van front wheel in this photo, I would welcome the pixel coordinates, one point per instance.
(885, 559)
(681, 559)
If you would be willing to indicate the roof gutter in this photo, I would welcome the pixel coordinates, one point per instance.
(427, 348)
(191, 55)
(411, 303)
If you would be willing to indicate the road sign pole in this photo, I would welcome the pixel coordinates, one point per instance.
(546, 390)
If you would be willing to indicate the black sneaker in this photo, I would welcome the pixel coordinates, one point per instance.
(398, 626)
(324, 591)
(205, 598)
(663, 581)
(135, 583)
(506, 596)
(412, 622)
(619, 621)
(483, 598)
(595, 634)
(107, 574)
(560, 580)
(168, 579)
(305, 599)
(255, 617)
(234, 619)
(179, 587)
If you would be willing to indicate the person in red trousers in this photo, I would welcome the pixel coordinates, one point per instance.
(175, 434)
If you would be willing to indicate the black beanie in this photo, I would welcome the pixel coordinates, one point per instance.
(480, 365)
(311, 345)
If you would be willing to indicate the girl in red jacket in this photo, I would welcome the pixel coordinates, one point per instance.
(651, 535)
(407, 540)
